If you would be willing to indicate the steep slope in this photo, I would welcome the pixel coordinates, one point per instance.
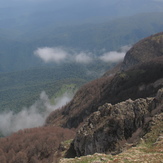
(141, 81)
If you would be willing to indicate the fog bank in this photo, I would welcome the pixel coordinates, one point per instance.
(34, 116)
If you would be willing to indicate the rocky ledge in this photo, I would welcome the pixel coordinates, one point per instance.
(114, 128)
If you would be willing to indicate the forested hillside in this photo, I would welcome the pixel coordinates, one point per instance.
(22, 88)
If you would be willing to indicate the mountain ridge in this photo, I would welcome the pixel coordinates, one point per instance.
(152, 48)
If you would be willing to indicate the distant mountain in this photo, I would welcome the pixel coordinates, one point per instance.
(108, 35)
(17, 46)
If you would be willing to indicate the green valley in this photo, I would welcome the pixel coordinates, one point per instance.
(22, 88)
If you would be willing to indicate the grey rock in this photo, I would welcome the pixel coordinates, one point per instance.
(112, 127)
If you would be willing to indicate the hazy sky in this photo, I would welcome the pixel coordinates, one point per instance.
(75, 10)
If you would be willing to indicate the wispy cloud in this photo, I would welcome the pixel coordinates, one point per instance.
(112, 56)
(51, 54)
(83, 58)
(125, 48)
(33, 116)
(58, 54)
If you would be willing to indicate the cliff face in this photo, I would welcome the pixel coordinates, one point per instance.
(112, 127)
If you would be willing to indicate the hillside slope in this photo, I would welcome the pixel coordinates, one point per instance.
(142, 80)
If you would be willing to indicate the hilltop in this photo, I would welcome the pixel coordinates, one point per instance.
(143, 51)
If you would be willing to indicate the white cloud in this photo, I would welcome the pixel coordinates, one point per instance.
(112, 56)
(51, 54)
(56, 54)
(83, 58)
(115, 56)
(33, 116)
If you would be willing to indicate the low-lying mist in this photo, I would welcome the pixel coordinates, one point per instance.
(34, 116)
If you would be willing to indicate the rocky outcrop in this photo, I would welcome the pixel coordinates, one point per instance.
(113, 127)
